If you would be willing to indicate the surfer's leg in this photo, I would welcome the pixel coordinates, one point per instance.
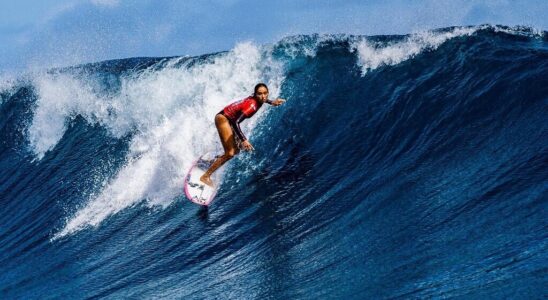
(229, 145)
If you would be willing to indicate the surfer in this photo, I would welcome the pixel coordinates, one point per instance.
(228, 122)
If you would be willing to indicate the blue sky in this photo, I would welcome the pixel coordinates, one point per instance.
(38, 34)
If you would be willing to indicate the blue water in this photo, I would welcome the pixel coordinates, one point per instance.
(408, 166)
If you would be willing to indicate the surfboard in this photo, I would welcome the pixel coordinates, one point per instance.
(195, 190)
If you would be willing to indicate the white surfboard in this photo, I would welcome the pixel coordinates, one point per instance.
(195, 190)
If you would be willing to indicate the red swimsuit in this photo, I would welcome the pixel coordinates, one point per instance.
(238, 111)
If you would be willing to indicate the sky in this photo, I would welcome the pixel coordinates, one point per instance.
(52, 33)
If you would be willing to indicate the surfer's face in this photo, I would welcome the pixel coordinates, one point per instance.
(261, 94)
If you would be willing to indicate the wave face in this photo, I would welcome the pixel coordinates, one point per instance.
(400, 167)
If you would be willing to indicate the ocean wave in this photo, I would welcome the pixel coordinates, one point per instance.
(400, 166)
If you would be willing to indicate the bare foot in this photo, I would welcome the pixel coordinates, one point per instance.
(205, 179)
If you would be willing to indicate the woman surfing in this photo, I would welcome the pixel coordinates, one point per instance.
(228, 122)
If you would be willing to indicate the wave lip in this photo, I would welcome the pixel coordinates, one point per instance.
(374, 54)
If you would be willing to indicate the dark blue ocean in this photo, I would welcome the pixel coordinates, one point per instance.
(400, 167)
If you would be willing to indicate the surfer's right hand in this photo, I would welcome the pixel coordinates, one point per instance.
(247, 146)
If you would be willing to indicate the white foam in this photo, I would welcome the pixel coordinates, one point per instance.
(60, 97)
(296, 46)
(7, 85)
(519, 30)
(172, 110)
(372, 55)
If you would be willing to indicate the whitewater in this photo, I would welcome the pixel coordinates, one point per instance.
(403, 166)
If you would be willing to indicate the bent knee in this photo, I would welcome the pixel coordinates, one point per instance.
(231, 153)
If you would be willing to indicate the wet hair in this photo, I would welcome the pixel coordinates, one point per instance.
(257, 88)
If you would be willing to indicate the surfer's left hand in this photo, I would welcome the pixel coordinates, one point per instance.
(278, 102)
(247, 146)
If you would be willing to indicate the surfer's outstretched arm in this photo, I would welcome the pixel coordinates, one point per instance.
(276, 102)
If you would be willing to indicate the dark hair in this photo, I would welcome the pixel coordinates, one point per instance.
(258, 86)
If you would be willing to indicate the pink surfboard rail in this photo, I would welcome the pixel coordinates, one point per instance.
(188, 193)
